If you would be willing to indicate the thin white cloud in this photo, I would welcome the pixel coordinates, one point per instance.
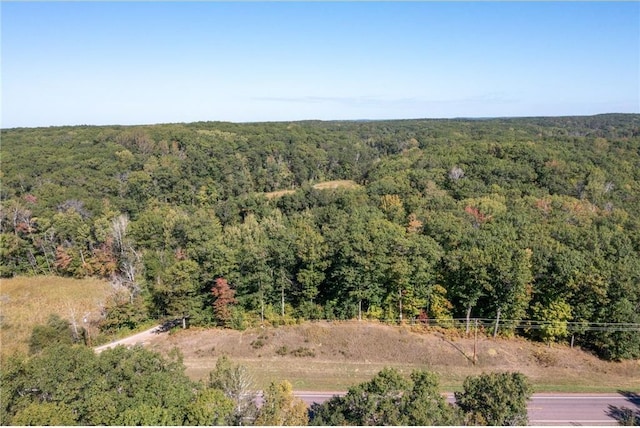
(488, 98)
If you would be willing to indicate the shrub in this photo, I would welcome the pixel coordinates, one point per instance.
(303, 352)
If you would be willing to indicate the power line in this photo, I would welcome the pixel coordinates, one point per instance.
(572, 326)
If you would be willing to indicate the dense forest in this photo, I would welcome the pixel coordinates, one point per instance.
(532, 221)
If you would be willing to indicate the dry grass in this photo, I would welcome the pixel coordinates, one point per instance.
(325, 185)
(334, 356)
(278, 193)
(346, 184)
(28, 301)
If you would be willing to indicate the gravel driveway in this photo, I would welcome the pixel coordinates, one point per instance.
(142, 338)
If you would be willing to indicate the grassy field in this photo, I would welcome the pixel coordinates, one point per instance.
(346, 184)
(333, 356)
(335, 184)
(278, 193)
(28, 301)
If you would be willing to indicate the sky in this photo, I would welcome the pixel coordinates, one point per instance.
(103, 63)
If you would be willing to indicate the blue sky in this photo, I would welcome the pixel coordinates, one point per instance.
(70, 63)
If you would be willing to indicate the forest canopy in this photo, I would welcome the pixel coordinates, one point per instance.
(524, 219)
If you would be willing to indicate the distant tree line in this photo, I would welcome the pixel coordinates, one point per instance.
(516, 219)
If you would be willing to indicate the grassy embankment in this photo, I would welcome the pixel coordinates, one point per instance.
(333, 356)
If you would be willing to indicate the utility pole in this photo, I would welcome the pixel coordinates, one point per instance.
(261, 303)
(400, 303)
(475, 342)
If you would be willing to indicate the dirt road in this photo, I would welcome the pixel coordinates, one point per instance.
(142, 338)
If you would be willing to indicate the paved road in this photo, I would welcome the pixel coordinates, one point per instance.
(584, 409)
(545, 409)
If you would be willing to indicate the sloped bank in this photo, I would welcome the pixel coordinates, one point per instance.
(335, 355)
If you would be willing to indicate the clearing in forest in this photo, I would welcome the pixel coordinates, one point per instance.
(325, 185)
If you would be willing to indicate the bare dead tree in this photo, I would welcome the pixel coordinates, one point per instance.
(456, 173)
(128, 257)
(74, 323)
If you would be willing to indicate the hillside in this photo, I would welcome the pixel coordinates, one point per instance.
(334, 356)
(531, 220)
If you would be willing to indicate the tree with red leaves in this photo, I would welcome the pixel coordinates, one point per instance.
(224, 297)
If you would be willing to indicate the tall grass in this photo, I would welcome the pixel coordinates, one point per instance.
(346, 184)
(29, 301)
(324, 185)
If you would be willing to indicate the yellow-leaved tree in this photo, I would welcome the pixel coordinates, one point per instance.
(281, 408)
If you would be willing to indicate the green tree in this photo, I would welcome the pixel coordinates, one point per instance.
(490, 272)
(376, 402)
(424, 405)
(60, 374)
(619, 344)
(139, 189)
(468, 277)
(554, 317)
(252, 276)
(141, 381)
(412, 273)
(281, 257)
(204, 244)
(73, 233)
(56, 332)
(12, 378)
(439, 307)
(495, 399)
(211, 407)
(45, 414)
(147, 415)
(361, 243)
(178, 294)
(311, 258)
(13, 255)
(389, 399)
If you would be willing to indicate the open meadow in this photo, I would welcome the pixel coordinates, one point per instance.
(324, 185)
(29, 301)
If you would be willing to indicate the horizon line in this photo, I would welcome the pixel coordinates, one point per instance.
(469, 118)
